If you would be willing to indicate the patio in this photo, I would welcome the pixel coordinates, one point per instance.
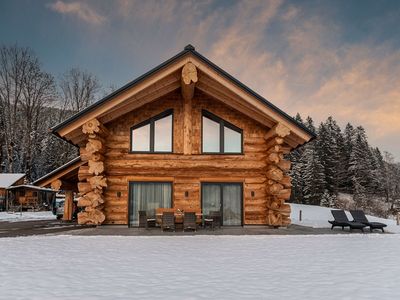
(122, 230)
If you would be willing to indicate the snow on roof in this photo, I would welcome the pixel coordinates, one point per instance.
(33, 187)
(7, 179)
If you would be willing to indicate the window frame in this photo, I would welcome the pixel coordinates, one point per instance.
(146, 181)
(222, 123)
(151, 121)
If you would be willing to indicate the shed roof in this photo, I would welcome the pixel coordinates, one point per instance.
(8, 179)
(28, 186)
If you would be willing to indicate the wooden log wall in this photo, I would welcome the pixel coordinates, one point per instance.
(92, 179)
(278, 184)
(185, 170)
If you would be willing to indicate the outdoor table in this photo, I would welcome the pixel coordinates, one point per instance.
(179, 217)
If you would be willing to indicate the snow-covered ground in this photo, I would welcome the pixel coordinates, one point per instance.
(317, 217)
(26, 216)
(356, 266)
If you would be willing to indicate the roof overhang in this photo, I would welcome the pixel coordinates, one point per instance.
(166, 78)
(67, 174)
(32, 187)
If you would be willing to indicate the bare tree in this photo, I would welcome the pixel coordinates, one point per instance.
(24, 91)
(38, 92)
(14, 65)
(78, 90)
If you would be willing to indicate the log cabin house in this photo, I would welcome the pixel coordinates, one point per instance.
(185, 135)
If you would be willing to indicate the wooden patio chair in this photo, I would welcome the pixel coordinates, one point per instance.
(168, 221)
(189, 221)
(360, 217)
(145, 221)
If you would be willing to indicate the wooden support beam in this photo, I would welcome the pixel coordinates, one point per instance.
(93, 127)
(68, 205)
(279, 130)
(188, 82)
(56, 184)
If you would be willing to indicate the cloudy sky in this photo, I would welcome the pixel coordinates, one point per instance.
(319, 58)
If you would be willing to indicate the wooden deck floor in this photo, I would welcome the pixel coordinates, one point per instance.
(245, 230)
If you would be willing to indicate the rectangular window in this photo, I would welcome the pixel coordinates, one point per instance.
(153, 135)
(148, 196)
(219, 136)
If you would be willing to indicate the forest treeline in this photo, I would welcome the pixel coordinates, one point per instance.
(33, 100)
(340, 162)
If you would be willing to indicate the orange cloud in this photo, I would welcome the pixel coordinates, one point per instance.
(79, 9)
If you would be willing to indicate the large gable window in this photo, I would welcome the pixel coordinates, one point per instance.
(219, 136)
(153, 135)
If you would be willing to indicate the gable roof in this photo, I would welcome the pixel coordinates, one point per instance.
(188, 50)
(8, 179)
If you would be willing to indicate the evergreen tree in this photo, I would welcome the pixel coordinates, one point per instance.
(328, 200)
(313, 174)
(344, 180)
(326, 148)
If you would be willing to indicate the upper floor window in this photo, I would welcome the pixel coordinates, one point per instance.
(219, 136)
(153, 135)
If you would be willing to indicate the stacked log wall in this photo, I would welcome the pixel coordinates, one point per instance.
(186, 171)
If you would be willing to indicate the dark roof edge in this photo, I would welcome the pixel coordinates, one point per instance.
(188, 49)
(70, 163)
(254, 94)
(120, 90)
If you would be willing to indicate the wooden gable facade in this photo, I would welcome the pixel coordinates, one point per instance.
(249, 184)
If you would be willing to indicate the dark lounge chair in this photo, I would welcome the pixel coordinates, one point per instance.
(145, 221)
(189, 221)
(341, 220)
(359, 216)
(168, 221)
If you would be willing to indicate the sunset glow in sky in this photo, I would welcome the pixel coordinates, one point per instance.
(318, 58)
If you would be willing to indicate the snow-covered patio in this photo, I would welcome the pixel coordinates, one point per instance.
(362, 266)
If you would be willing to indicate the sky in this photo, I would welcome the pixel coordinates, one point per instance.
(318, 58)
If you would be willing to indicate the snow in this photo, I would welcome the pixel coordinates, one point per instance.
(317, 217)
(26, 216)
(7, 179)
(353, 266)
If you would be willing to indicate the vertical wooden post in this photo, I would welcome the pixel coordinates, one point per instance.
(187, 126)
(300, 215)
(188, 82)
(69, 198)
(398, 218)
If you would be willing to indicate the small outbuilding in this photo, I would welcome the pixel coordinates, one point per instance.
(8, 180)
(30, 197)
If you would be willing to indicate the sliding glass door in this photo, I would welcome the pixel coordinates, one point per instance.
(148, 196)
(223, 197)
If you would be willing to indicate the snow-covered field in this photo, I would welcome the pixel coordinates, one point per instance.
(317, 217)
(26, 216)
(356, 266)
